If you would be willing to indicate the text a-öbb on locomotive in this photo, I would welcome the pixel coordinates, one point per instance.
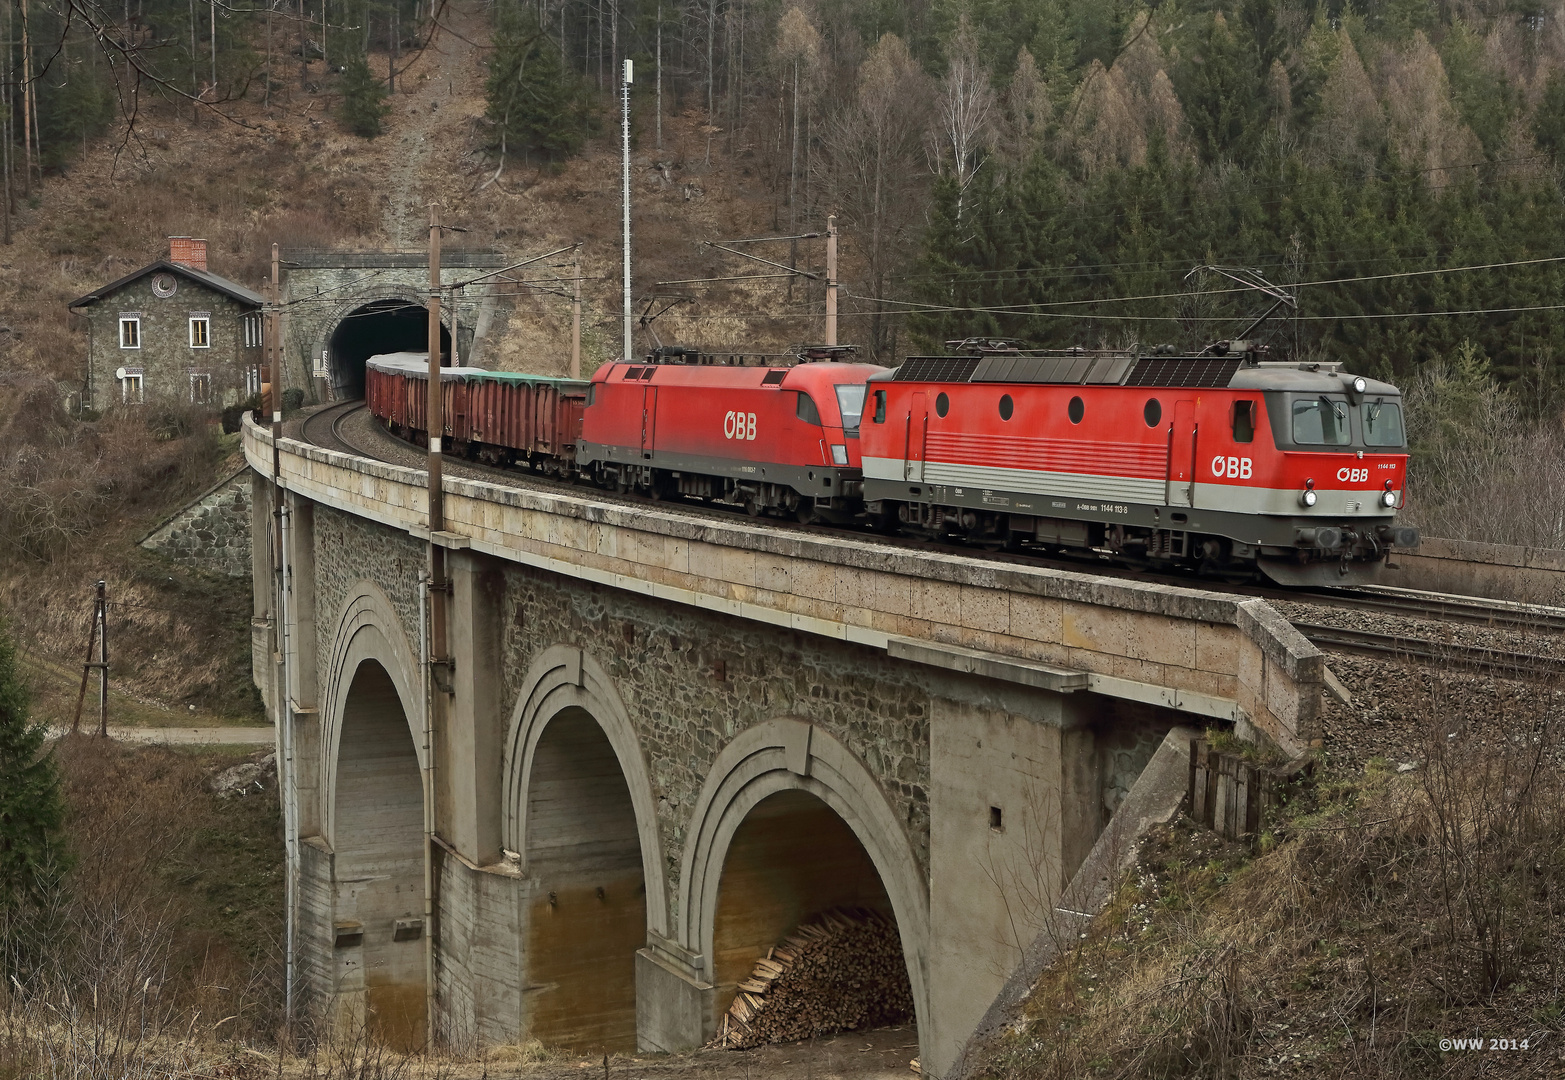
(1221, 461)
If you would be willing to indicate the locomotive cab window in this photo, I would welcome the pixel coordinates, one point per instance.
(592, 393)
(1321, 421)
(880, 406)
(850, 402)
(806, 409)
(1244, 421)
(1382, 423)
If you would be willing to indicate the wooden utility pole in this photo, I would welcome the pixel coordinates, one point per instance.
(439, 591)
(274, 374)
(831, 280)
(576, 314)
(99, 618)
(434, 404)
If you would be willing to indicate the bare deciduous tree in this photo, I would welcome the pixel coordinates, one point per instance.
(966, 106)
(875, 148)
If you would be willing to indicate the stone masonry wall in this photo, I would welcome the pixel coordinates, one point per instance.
(166, 357)
(212, 531)
(692, 680)
(347, 549)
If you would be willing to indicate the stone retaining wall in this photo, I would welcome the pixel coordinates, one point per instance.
(212, 531)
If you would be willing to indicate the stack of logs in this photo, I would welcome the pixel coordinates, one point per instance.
(841, 971)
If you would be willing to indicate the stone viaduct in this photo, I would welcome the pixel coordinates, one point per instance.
(671, 736)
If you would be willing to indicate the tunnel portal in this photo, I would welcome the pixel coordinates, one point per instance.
(384, 326)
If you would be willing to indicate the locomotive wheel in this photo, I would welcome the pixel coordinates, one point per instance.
(752, 506)
(805, 513)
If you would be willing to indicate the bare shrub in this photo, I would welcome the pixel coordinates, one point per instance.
(120, 972)
(60, 478)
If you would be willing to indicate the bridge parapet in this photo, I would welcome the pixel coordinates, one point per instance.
(1206, 653)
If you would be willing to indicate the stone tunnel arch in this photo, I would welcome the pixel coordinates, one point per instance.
(373, 810)
(771, 779)
(579, 812)
(396, 322)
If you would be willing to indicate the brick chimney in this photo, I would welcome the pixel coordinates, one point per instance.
(187, 251)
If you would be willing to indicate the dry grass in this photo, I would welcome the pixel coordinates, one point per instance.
(1388, 911)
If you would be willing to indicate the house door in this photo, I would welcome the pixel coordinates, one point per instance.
(917, 432)
(1182, 434)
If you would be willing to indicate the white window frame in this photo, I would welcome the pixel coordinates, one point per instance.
(130, 320)
(252, 380)
(202, 379)
(204, 317)
(253, 334)
(133, 389)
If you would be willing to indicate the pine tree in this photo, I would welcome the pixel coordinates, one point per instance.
(31, 806)
(535, 105)
(363, 99)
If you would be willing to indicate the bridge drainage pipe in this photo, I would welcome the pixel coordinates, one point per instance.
(287, 789)
(428, 689)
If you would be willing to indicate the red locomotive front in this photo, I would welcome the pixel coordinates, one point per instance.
(780, 439)
(1220, 461)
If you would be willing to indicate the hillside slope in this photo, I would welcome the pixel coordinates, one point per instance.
(292, 175)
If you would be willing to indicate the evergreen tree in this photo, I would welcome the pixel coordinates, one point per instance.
(31, 806)
(363, 99)
(535, 106)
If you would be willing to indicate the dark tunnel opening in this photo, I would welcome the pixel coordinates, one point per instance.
(385, 326)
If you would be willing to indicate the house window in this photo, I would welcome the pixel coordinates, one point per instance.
(200, 387)
(252, 328)
(130, 331)
(131, 387)
(201, 330)
(252, 380)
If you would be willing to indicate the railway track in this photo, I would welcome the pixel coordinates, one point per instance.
(1510, 665)
(325, 429)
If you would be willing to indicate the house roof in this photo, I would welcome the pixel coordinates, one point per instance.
(200, 277)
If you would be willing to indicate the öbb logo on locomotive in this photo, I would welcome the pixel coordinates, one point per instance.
(1092, 453)
(739, 425)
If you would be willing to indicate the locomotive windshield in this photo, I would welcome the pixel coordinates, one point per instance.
(1382, 423)
(1321, 421)
(850, 400)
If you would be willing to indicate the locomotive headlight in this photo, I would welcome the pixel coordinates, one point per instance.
(1388, 498)
(1359, 384)
(1308, 498)
(839, 454)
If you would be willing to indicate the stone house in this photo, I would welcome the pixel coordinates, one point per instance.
(172, 332)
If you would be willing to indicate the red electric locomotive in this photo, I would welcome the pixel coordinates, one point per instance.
(1222, 460)
(770, 439)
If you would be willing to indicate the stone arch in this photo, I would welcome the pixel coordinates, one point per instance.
(367, 630)
(792, 755)
(564, 677)
(326, 329)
